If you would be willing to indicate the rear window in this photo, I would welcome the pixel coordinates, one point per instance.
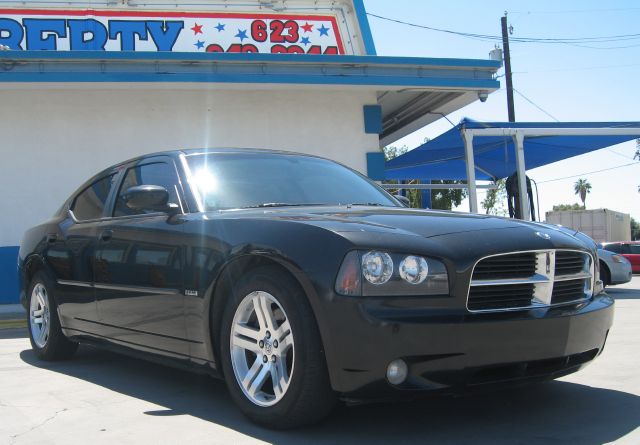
(90, 203)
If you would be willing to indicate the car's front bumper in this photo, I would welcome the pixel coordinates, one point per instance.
(450, 351)
(620, 273)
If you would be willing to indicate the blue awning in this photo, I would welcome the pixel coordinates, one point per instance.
(444, 157)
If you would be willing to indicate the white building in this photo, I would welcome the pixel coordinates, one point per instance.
(82, 88)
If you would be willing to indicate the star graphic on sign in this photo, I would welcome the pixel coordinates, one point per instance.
(199, 44)
(242, 35)
(307, 27)
(305, 41)
(220, 27)
(324, 31)
(197, 29)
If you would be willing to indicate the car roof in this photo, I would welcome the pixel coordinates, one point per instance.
(216, 150)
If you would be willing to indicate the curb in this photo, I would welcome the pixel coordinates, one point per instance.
(13, 324)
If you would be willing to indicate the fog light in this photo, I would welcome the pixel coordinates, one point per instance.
(397, 372)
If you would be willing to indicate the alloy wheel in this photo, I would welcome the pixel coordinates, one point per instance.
(262, 349)
(39, 315)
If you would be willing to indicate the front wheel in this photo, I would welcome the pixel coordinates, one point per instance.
(47, 340)
(272, 355)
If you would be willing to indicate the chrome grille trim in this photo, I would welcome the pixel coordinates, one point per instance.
(543, 280)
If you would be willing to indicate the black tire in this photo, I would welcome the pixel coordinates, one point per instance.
(605, 275)
(309, 397)
(56, 346)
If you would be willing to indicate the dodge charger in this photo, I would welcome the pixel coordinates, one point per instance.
(302, 283)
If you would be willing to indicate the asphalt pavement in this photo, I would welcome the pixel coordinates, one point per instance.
(100, 397)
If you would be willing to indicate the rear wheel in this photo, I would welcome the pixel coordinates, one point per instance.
(272, 355)
(47, 340)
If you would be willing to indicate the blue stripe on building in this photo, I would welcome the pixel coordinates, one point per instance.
(9, 274)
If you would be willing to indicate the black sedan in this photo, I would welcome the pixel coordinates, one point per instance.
(301, 282)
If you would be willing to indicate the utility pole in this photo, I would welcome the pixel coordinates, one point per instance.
(507, 67)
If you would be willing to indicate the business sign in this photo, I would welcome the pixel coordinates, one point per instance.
(113, 30)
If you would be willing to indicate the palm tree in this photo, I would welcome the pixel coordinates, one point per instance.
(582, 188)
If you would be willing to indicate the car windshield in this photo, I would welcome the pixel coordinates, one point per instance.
(252, 180)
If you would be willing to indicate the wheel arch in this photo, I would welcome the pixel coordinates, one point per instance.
(30, 266)
(231, 272)
(605, 266)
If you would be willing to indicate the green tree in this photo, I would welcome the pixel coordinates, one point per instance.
(414, 196)
(635, 229)
(392, 152)
(493, 204)
(582, 187)
(440, 199)
(447, 199)
(563, 207)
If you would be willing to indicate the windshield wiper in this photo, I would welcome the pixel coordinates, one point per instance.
(281, 204)
(367, 204)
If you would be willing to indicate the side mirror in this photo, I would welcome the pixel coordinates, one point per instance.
(403, 200)
(149, 197)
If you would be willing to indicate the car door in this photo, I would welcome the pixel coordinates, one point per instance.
(632, 253)
(138, 265)
(69, 253)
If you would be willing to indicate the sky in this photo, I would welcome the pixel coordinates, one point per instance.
(568, 82)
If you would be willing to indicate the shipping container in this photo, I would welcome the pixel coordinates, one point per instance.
(602, 224)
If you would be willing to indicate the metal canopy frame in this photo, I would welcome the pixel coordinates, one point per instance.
(519, 135)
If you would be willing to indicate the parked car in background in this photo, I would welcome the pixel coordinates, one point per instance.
(614, 268)
(628, 249)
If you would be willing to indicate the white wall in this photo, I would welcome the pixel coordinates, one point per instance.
(52, 140)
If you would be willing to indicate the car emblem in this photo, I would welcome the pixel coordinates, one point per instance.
(543, 235)
(268, 347)
(548, 263)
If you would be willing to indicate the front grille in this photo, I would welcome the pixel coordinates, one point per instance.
(517, 265)
(569, 263)
(525, 280)
(565, 291)
(500, 297)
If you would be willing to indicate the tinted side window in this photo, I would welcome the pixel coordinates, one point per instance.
(634, 248)
(616, 248)
(89, 204)
(148, 174)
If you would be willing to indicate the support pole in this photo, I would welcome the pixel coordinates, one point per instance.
(471, 171)
(522, 176)
(507, 69)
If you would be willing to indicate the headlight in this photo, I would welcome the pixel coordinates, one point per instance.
(374, 274)
(377, 267)
(414, 269)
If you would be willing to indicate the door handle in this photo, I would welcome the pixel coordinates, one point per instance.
(106, 235)
(52, 238)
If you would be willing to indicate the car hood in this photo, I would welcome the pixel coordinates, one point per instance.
(423, 223)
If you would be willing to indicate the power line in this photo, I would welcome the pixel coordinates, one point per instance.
(555, 40)
(576, 11)
(536, 105)
(589, 173)
(584, 68)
